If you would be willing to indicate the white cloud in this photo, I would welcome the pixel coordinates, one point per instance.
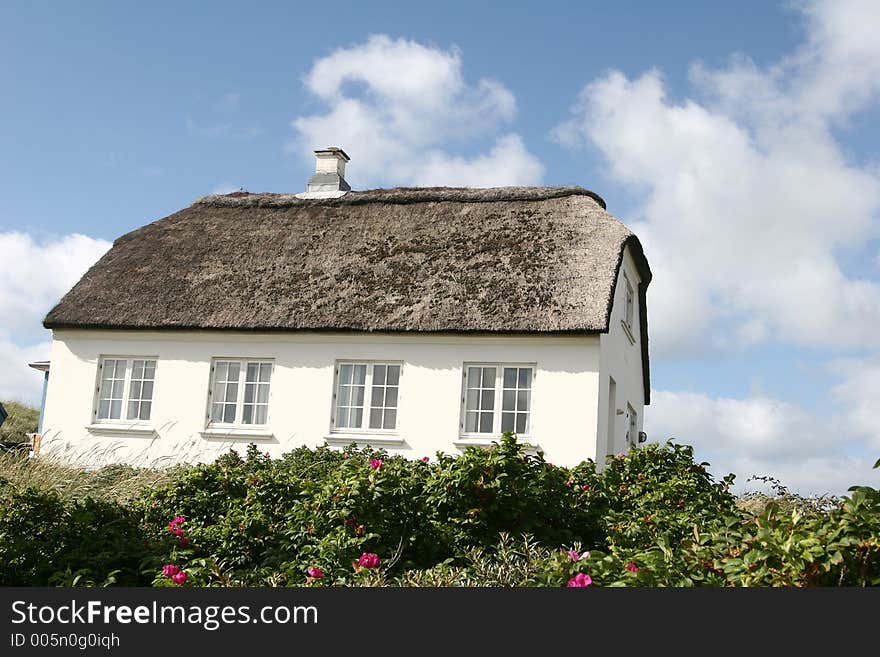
(33, 276)
(396, 106)
(809, 453)
(748, 199)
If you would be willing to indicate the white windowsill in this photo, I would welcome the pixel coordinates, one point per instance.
(108, 428)
(378, 439)
(236, 432)
(628, 332)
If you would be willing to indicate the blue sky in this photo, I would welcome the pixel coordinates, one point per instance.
(739, 140)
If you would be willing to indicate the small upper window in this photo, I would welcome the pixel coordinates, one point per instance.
(630, 302)
(240, 392)
(366, 397)
(497, 398)
(126, 389)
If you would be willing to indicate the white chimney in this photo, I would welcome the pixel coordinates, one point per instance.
(328, 180)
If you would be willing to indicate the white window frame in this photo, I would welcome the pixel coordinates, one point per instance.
(632, 426)
(239, 400)
(126, 391)
(497, 408)
(368, 396)
(629, 308)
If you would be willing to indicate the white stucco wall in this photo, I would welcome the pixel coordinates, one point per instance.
(564, 408)
(621, 359)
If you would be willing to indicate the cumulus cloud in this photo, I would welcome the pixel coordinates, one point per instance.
(398, 106)
(33, 276)
(810, 453)
(748, 202)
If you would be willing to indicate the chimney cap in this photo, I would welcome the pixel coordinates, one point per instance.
(333, 150)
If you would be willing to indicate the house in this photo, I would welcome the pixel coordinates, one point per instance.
(412, 319)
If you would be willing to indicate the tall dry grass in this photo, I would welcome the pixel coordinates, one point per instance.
(117, 482)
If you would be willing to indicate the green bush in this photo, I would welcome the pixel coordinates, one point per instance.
(46, 540)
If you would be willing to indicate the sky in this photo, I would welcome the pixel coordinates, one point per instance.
(739, 140)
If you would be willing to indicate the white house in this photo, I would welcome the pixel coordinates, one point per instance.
(417, 320)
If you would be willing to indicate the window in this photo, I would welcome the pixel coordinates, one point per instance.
(497, 398)
(632, 433)
(238, 402)
(126, 389)
(366, 397)
(630, 302)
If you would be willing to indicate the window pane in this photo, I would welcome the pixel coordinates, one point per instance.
(485, 422)
(356, 416)
(145, 410)
(342, 418)
(508, 401)
(488, 377)
(358, 396)
(265, 372)
(248, 393)
(248, 414)
(393, 375)
(391, 397)
(473, 399)
(229, 413)
(510, 377)
(117, 389)
(376, 418)
(379, 375)
(359, 374)
(470, 422)
(137, 369)
(221, 370)
(115, 409)
(261, 414)
(390, 419)
(263, 394)
(150, 369)
(231, 392)
(522, 400)
(344, 396)
(216, 412)
(345, 374)
(253, 370)
(104, 409)
(133, 410)
(147, 390)
(525, 377)
(134, 391)
(473, 377)
(234, 371)
(487, 400)
(521, 422)
(507, 422)
(378, 396)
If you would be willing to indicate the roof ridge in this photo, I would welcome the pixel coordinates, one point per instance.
(402, 196)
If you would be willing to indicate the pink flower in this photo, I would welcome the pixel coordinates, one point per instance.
(170, 570)
(184, 541)
(631, 567)
(375, 463)
(315, 573)
(585, 487)
(425, 459)
(179, 578)
(574, 556)
(580, 580)
(177, 531)
(568, 483)
(369, 560)
(179, 520)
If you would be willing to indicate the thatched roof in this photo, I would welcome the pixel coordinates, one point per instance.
(502, 260)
